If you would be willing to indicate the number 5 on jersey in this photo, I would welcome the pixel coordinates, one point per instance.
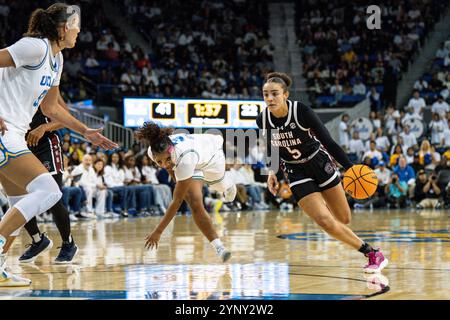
(295, 153)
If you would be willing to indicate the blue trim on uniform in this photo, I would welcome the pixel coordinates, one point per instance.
(42, 62)
(10, 155)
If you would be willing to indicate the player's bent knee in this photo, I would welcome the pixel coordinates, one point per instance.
(346, 218)
(43, 193)
(326, 223)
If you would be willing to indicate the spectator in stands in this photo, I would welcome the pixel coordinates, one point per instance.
(417, 103)
(383, 175)
(72, 195)
(99, 167)
(92, 189)
(133, 179)
(359, 88)
(115, 181)
(440, 107)
(396, 191)
(409, 156)
(356, 148)
(382, 141)
(373, 154)
(409, 138)
(428, 157)
(376, 122)
(374, 99)
(344, 131)
(437, 127)
(74, 159)
(397, 153)
(404, 171)
(242, 198)
(253, 189)
(337, 90)
(426, 191)
(445, 140)
(396, 127)
(410, 114)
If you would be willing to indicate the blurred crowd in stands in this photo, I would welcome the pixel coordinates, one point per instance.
(345, 61)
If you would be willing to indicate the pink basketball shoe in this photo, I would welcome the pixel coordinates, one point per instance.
(377, 262)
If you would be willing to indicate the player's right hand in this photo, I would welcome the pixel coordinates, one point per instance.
(3, 127)
(97, 139)
(272, 184)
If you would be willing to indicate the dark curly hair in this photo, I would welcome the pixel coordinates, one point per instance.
(45, 23)
(278, 77)
(155, 135)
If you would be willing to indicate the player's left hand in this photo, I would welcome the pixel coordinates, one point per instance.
(152, 240)
(35, 135)
(97, 139)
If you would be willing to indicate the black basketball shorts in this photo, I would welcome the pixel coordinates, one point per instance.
(316, 175)
(49, 152)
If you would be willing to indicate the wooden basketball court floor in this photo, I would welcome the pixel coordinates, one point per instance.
(276, 255)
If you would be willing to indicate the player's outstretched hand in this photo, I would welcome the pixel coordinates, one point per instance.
(97, 139)
(3, 127)
(151, 241)
(272, 184)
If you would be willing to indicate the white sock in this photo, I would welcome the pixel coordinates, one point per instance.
(217, 244)
(36, 237)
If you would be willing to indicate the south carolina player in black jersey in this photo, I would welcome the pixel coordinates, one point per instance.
(306, 150)
(45, 144)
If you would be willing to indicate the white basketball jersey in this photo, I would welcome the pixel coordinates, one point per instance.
(23, 88)
(193, 152)
(205, 145)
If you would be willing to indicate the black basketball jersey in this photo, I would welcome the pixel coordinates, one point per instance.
(299, 135)
(38, 119)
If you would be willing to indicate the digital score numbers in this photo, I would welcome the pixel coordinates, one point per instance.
(249, 111)
(192, 113)
(206, 114)
(163, 110)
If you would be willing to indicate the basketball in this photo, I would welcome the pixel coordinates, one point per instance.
(360, 182)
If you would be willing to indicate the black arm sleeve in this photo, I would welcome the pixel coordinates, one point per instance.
(310, 120)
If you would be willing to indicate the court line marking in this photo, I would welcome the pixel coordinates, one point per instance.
(363, 296)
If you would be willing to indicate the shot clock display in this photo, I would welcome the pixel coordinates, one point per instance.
(192, 113)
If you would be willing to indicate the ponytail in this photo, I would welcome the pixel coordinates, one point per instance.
(157, 137)
(45, 23)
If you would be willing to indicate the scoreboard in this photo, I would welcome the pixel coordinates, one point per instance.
(192, 113)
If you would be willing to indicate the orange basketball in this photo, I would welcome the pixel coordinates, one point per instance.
(360, 182)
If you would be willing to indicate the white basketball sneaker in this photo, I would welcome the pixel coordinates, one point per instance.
(8, 279)
(230, 194)
(223, 254)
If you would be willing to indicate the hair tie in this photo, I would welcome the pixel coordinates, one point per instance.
(171, 149)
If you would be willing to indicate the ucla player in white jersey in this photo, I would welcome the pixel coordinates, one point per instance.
(192, 159)
(30, 71)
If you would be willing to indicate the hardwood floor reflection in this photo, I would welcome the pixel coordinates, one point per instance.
(275, 255)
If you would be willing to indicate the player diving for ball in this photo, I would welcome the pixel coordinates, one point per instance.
(192, 159)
